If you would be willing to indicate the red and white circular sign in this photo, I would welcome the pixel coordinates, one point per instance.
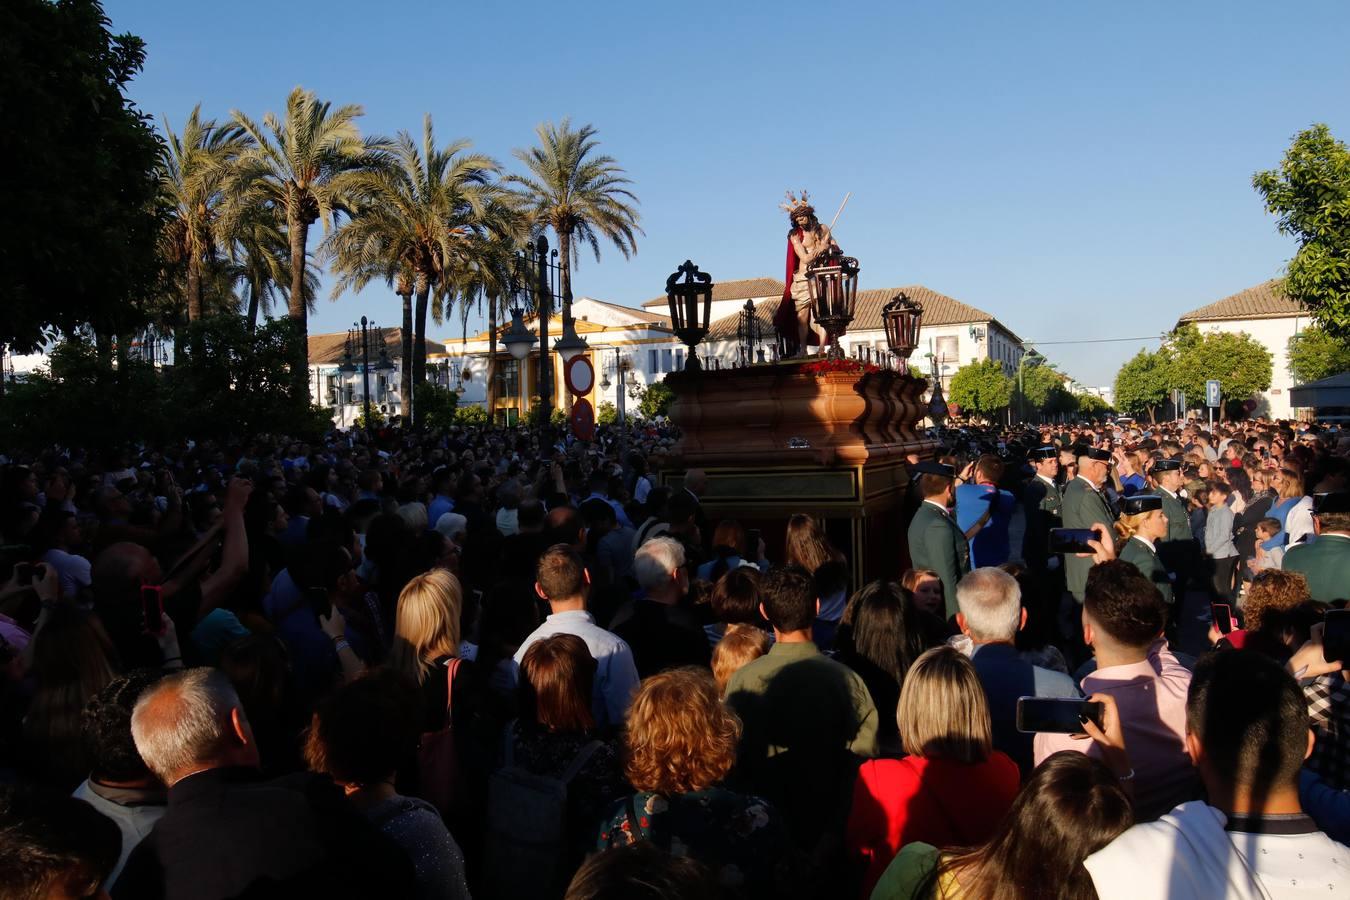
(583, 420)
(579, 375)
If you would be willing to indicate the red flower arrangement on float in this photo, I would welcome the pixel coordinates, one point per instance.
(842, 366)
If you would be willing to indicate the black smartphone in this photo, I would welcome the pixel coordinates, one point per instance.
(319, 602)
(1060, 716)
(1336, 636)
(752, 537)
(1071, 540)
(1222, 615)
(152, 608)
(23, 574)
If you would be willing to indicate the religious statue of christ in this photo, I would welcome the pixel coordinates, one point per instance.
(807, 241)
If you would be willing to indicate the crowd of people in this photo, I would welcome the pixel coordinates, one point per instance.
(485, 662)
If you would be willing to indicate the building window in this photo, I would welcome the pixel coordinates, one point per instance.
(651, 362)
(666, 358)
(679, 360)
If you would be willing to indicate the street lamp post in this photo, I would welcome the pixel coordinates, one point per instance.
(383, 364)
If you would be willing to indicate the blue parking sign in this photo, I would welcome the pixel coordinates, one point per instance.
(1212, 393)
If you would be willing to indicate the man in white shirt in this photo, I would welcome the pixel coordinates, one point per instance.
(561, 579)
(1247, 733)
(60, 532)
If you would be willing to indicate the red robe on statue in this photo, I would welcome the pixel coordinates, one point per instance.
(785, 319)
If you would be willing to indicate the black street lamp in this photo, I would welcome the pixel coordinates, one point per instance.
(383, 364)
(901, 318)
(690, 308)
(535, 281)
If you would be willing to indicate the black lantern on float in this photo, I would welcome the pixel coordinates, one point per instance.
(690, 307)
(833, 281)
(749, 332)
(901, 318)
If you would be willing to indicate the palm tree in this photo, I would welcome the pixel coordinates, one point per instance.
(579, 194)
(260, 265)
(422, 215)
(489, 282)
(302, 167)
(192, 169)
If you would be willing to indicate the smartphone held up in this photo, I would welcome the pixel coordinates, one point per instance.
(1056, 715)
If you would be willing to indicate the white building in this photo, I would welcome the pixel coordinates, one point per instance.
(343, 392)
(1265, 313)
(639, 342)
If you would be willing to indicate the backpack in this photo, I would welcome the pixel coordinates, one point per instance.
(527, 827)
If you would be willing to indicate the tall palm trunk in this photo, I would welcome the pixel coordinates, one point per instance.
(419, 358)
(194, 287)
(405, 372)
(565, 273)
(492, 356)
(253, 308)
(297, 229)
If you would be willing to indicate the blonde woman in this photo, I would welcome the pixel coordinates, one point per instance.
(1292, 506)
(1142, 524)
(426, 641)
(953, 787)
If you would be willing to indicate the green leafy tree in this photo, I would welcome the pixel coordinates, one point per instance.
(1142, 384)
(981, 388)
(81, 199)
(1315, 354)
(606, 413)
(579, 193)
(1310, 195)
(438, 406)
(377, 419)
(1091, 406)
(1241, 364)
(301, 166)
(471, 415)
(655, 400)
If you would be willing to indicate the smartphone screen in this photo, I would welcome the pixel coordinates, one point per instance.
(1336, 636)
(1222, 615)
(1071, 540)
(319, 602)
(1060, 716)
(152, 608)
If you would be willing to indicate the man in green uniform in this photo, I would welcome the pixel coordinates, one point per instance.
(1083, 507)
(1043, 506)
(935, 540)
(1179, 552)
(1326, 561)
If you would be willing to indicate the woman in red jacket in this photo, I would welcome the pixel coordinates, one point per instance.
(951, 789)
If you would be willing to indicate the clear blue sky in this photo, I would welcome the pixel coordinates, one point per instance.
(1080, 170)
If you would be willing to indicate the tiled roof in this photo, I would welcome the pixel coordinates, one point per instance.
(327, 349)
(743, 289)
(1264, 301)
(938, 309)
(640, 315)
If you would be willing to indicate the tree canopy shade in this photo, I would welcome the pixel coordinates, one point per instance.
(981, 387)
(1310, 195)
(1241, 364)
(1314, 354)
(1091, 405)
(77, 240)
(579, 193)
(1142, 384)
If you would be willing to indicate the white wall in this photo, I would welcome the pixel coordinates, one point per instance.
(1274, 334)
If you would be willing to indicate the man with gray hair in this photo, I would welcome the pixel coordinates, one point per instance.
(227, 832)
(991, 614)
(659, 625)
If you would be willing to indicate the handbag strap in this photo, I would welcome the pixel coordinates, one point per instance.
(579, 761)
(630, 810)
(451, 668)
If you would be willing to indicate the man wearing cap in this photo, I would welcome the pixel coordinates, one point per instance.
(1043, 508)
(935, 540)
(1325, 562)
(1085, 506)
(1178, 551)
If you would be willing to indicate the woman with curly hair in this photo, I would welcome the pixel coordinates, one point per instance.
(1278, 615)
(680, 744)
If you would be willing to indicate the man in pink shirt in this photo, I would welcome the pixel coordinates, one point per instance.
(1123, 618)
